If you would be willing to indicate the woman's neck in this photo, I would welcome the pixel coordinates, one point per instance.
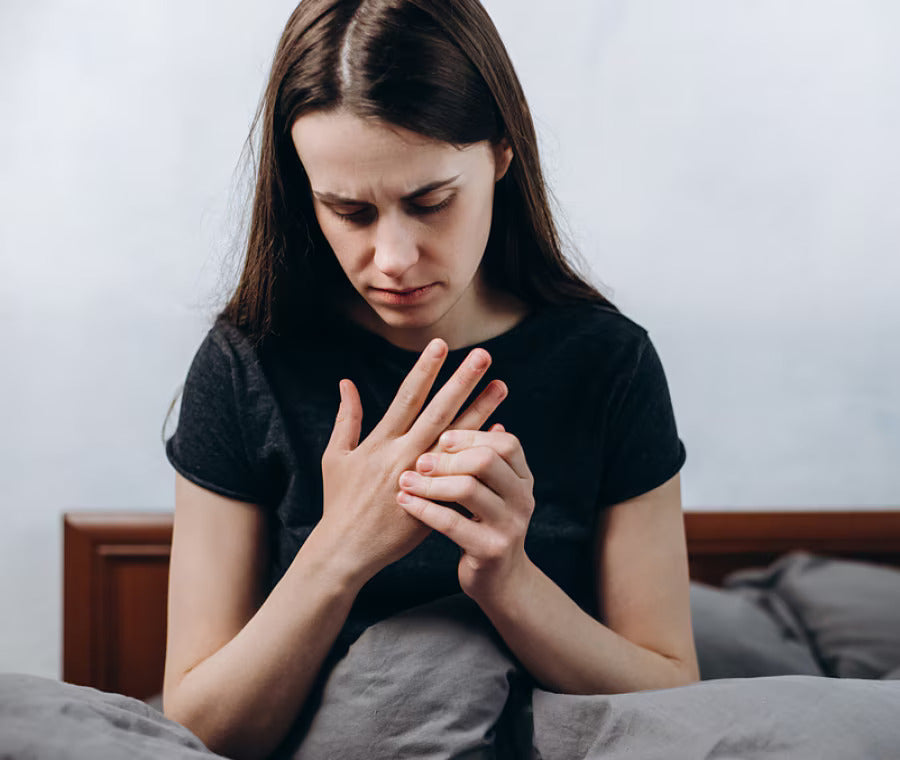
(489, 313)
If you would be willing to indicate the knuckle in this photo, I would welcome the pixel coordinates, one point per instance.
(520, 522)
(468, 487)
(407, 397)
(509, 444)
(484, 459)
(439, 418)
(529, 506)
(496, 546)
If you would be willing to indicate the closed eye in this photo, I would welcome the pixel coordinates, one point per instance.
(432, 209)
(367, 213)
(358, 217)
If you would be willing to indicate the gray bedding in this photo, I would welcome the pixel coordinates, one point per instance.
(437, 682)
(42, 719)
(795, 717)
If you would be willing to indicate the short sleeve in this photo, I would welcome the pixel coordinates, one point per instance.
(642, 447)
(209, 443)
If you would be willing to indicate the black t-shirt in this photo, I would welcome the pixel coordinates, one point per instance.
(587, 399)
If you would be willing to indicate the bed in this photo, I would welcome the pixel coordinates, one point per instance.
(845, 704)
(116, 566)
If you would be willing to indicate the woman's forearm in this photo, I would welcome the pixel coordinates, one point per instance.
(241, 700)
(568, 651)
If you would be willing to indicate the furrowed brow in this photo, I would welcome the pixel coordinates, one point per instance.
(418, 193)
(430, 187)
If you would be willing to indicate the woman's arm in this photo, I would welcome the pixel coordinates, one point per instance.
(642, 580)
(239, 668)
(641, 566)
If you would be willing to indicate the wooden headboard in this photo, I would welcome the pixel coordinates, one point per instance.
(116, 572)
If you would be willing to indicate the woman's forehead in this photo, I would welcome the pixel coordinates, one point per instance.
(346, 155)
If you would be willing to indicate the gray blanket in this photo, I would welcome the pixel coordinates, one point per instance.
(437, 682)
(42, 719)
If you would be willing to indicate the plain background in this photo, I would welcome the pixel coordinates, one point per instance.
(730, 171)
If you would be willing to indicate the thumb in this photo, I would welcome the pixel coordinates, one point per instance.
(347, 426)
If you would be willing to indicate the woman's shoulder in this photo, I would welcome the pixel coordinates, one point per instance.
(593, 323)
(235, 343)
(225, 356)
(229, 337)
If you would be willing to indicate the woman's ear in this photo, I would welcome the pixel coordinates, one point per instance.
(503, 156)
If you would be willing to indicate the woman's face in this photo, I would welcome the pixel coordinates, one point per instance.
(408, 218)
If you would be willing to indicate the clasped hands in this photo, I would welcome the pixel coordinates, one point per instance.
(382, 495)
(486, 473)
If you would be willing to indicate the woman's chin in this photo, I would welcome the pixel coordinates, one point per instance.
(419, 319)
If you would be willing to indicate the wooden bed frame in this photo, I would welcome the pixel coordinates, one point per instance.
(116, 571)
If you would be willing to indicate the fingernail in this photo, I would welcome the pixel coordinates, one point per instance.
(447, 440)
(426, 463)
(407, 480)
(479, 360)
(436, 348)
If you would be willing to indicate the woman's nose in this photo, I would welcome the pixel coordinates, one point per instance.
(396, 248)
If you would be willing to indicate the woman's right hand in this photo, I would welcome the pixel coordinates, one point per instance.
(360, 480)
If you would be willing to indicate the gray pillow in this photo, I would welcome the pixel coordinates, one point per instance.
(849, 610)
(736, 638)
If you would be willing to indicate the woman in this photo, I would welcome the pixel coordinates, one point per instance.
(400, 246)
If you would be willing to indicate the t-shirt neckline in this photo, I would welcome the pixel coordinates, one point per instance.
(494, 345)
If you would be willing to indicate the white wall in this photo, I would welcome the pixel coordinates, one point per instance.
(730, 170)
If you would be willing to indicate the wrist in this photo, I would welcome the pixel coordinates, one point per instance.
(334, 565)
(502, 591)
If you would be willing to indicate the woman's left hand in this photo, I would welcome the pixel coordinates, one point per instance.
(485, 472)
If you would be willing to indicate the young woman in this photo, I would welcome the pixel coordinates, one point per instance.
(411, 394)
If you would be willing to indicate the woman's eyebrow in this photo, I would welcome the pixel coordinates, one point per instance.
(418, 193)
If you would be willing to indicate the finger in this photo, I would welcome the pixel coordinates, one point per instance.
(347, 426)
(464, 490)
(497, 428)
(441, 410)
(413, 391)
(505, 444)
(482, 463)
(469, 535)
(478, 412)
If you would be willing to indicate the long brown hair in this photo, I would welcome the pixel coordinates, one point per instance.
(436, 67)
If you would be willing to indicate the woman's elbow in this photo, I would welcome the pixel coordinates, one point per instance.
(686, 671)
(200, 721)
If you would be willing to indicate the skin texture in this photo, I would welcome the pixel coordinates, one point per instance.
(394, 242)
(231, 650)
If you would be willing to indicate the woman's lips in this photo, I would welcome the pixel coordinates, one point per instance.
(403, 297)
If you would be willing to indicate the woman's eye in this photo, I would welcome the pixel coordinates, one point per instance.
(359, 217)
(432, 209)
(367, 214)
